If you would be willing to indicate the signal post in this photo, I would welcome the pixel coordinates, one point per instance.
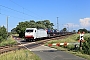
(81, 39)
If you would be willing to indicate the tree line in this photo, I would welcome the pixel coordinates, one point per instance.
(80, 30)
(84, 30)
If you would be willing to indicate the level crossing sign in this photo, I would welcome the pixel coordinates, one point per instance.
(81, 39)
(81, 35)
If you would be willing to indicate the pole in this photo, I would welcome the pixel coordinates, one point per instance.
(57, 24)
(68, 27)
(81, 38)
(7, 26)
(72, 27)
(80, 44)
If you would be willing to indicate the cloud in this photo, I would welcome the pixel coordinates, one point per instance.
(85, 22)
(71, 25)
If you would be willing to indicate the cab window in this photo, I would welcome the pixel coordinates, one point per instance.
(35, 30)
(29, 30)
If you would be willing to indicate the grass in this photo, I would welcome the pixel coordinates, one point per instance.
(72, 38)
(10, 41)
(22, 54)
(15, 34)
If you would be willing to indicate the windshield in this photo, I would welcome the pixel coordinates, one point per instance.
(29, 30)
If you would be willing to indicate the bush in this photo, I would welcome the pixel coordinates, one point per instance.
(86, 44)
(3, 33)
(71, 47)
(8, 42)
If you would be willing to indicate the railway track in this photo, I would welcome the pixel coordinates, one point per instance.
(6, 49)
(27, 45)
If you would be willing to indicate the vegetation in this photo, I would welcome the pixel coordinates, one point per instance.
(19, 55)
(83, 30)
(13, 31)
(9, 42)
(85, 52)
(72, 38)
(20, 29)
(3, 38)
(3, 33)
(64, 29)
(86, 44)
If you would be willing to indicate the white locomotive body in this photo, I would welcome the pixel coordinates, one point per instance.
(33, 33)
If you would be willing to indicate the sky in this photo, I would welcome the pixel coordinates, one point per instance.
(72, 14)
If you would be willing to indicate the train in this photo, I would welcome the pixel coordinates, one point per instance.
(34, 33)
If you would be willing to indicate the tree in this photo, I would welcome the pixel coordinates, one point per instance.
(3, 33)
(13, 31)
(40, 24)
(48, 24)
(32, 24)
(64, 29)
(74, 31)
(88, 31)
(44, 24)
(20, 29)
(82, 30)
